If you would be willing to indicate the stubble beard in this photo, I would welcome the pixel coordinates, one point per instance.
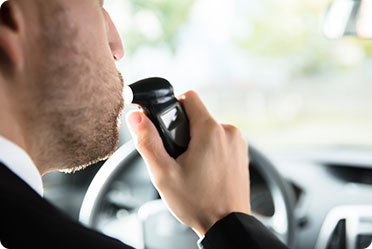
(77, 101)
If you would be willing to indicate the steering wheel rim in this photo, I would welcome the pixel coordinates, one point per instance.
(281, 223)
(280, 189)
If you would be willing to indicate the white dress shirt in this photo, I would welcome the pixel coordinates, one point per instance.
(17, 160)
(20, 163)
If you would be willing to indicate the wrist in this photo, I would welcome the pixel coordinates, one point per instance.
(205, 224)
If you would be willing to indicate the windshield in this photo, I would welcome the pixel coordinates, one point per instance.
(262, 65)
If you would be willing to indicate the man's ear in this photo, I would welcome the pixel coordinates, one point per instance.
(11, 32)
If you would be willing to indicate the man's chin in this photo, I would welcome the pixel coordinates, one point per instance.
(82, 163)
(83, 166)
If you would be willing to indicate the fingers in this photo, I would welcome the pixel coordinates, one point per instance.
(196, 111)
(149, 143)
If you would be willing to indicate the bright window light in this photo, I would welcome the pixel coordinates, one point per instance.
(337, 18)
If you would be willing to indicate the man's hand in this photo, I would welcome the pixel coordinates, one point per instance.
(209, 180)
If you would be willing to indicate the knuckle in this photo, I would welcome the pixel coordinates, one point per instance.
(230, 128)
(234, 134)
(233, 131)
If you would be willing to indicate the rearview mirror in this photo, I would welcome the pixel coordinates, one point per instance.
(348, 17)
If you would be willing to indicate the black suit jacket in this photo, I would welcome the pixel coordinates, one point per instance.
(29, 221)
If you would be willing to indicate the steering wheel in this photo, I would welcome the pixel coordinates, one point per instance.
(122, 203)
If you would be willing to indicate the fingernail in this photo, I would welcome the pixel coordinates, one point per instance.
(134, 119)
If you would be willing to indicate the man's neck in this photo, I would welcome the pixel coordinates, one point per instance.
(10, 127)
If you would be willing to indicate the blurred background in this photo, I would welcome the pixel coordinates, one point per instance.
(265, 66)
(262, 65)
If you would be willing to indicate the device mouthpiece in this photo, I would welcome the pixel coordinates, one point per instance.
(148, 92)
(127, 95)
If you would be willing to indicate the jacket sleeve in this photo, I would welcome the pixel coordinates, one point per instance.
(238, 231)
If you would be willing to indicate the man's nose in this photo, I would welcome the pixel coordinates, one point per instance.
(115, 42)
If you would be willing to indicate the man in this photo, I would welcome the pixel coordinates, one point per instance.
(60, 98)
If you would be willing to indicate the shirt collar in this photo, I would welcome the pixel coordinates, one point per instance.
(20, 163)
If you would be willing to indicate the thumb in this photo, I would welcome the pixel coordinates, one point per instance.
(148, 142)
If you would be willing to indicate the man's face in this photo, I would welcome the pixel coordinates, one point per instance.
(74, 96)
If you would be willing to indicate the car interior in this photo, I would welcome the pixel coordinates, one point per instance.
(294, 76)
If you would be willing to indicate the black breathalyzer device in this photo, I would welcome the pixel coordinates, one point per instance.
(156, 97)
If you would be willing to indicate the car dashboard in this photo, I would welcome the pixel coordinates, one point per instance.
(333, 190)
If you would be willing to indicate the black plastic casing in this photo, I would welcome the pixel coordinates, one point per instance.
(156, 97)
